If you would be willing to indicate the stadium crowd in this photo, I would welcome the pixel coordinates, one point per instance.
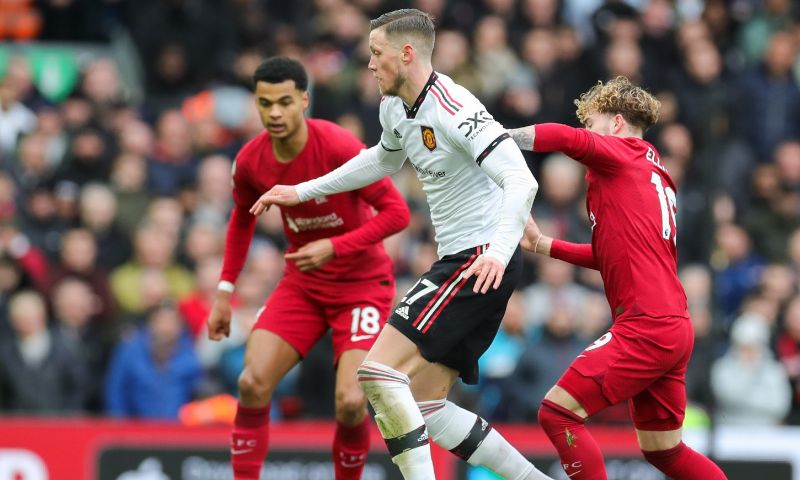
(113, 207)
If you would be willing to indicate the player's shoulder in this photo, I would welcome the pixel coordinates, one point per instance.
(332, 135)
(390, 107)
(453, 98)
(326, 128)
(253, 148)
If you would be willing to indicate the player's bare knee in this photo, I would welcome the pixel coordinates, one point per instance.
(654, 441)
(350, 407)
(253, 387)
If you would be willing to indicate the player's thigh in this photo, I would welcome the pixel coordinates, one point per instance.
(396, 350)
(294, 315)
(433, 382)
(356, 315)
(347, 388)
(267, 359)
(561, 397)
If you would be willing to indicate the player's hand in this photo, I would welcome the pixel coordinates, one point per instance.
(312, 255)
(283, 195)
(530, 235)
(219, 319)
(489, 271)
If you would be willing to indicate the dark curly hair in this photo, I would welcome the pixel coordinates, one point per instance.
(280, 69)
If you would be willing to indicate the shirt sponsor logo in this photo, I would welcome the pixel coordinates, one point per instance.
(397, 134)
(425, 172)
(428, 138)
(301, 224)
(402, 311)
(475, 124)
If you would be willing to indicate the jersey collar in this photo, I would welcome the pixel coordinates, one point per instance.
(412, 112)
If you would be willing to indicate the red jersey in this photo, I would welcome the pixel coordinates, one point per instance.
(631, 206)
(348, 219)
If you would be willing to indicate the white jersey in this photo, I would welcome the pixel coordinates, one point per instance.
(446, 134)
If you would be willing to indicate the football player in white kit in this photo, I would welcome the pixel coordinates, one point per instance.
(480, 193)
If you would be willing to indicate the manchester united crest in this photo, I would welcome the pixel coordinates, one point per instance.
(428, 138)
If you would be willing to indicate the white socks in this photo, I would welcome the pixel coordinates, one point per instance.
(398, 418)
(471, 438)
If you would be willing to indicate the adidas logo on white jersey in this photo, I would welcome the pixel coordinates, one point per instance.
(402, 311)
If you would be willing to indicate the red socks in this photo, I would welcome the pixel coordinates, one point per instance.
(580, 456)
(683, 463)
(350, 445)
(249, 442)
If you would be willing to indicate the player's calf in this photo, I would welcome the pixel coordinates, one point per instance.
(471, 438)
(683, 463)
(580, 456)
(351, 441)
(249, 441)
(398, 418)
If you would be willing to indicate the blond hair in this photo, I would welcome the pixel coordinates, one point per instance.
(619, 95)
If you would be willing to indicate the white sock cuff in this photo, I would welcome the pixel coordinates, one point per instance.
(448, 424)
(370, 371)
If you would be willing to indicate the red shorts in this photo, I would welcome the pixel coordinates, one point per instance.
(301, 312)
(642, 360)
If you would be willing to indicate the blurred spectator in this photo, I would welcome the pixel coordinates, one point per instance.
(768, 99)
(154, 371)
(497, 364)
(196, 306)
(492, 55)
(555, 290)
(561, 187)
(772, 214)
(15, 118)
(39, 372)
(788, 347)
(755, 34)
(696, 280)
(213, 202)
(98, 212)
(78, 259)
(173, 164)
(543, 360)
(737, 268)
(154, 249)
(87, 159)
(750, 386)
(74, 310)
(128, 181)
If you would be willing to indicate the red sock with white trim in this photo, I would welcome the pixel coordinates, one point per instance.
(580, 456)
(350, 445)
(249, 442)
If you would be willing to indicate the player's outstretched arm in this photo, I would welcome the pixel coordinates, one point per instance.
(533, 240)
(524, 137)
(282, 195)
(580, 254)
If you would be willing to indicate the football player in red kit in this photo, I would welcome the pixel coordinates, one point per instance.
(642, 358)
(337, 274)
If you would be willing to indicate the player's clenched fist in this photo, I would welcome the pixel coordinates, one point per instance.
(219, 319)
(284, 195)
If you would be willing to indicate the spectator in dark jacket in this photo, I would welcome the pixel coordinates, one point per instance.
(39, 373)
